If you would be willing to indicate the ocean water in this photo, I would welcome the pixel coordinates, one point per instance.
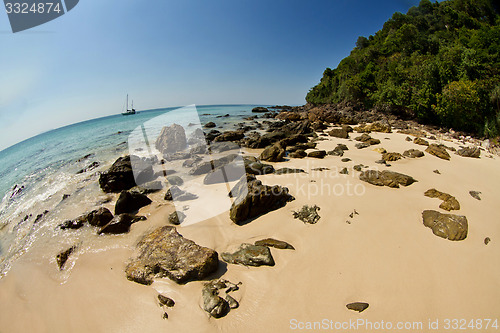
(36, 173)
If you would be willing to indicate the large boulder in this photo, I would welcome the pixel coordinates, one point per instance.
(120, 175)
(339, 133)
(172, 139)
(130, 202)
(386, 178)
(255, 167)
(274, 153)
(260, 109)
(474, 152)
(317, 154)
(252, 199)
(230, 136)
(449, 201)
(249, 255)
(165, 253)
(438, 151)
(447, 226)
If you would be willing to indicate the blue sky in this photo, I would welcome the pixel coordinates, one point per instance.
(173, 53)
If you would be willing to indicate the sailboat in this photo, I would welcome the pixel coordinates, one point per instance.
(129, 111)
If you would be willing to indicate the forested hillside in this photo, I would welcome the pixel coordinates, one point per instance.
(439, 62)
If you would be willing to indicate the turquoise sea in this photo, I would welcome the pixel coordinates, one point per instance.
(36, 173)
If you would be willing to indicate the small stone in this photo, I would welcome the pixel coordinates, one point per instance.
(176, 218)
(344, 171)
(166, 301)
(475, 194)
(358, 306)
(63, 257)
(308, 214)
(420, 141)
(437, 172)
(345, 159)
(487, 240)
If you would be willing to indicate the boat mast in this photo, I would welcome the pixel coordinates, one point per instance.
(127, 102)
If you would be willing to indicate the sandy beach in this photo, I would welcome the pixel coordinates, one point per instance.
(382, 255)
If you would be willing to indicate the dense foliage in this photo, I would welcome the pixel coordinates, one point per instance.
(440, 62)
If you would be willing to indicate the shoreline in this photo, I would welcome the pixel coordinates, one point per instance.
(385, 256)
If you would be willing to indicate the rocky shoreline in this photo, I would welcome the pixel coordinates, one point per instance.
(260, 168)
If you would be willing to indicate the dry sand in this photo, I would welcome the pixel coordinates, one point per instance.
(384, 256)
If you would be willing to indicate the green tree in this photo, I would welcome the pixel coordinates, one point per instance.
(459, 106)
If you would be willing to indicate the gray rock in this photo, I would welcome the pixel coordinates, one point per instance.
(271, 242)
(339, 133)
(438, 151)
(413, 153)
(475, 194)
(386, 178)
(175, 180)
(283, 171)
(308, 214)
(362, 145)
(420, 141)
(249, 255)
(210, 124)
(213, 303)
(473, 152)
(252, 199)
(172, 139)
(255, 167)
(447, 226)
(175, 193)
(274, 153)
(165, 253)
(344, 171)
